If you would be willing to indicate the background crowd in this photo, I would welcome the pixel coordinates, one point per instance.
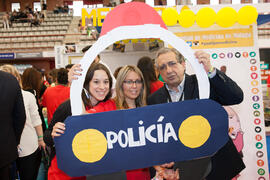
(28, 15)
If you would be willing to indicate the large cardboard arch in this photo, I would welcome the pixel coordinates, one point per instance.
(136, 32)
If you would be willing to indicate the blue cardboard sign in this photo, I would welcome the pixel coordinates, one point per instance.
(137, 138)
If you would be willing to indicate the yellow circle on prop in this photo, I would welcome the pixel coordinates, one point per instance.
(89, 145)
(226, 17)
(206, 17)
(194, 131)
(247, 15)
(186, 18)
(169, 16)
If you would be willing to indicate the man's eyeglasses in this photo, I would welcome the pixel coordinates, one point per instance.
(130, 82)
(164, 66)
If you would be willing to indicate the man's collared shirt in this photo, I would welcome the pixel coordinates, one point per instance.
(175, 96)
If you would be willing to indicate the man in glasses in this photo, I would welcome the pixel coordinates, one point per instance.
(179, 86)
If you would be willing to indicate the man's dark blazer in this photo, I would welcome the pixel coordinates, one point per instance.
(226, 163)
(12, 117)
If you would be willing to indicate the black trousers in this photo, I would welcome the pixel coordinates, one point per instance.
(5, 172)
(28, 166)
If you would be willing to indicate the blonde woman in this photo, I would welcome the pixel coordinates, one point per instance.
(131, 93)
(32, 136)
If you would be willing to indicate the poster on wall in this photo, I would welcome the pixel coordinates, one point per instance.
(235, 52)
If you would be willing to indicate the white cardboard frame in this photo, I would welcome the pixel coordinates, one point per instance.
(136, 32)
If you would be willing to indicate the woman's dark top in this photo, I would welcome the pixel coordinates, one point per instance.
(60, 115)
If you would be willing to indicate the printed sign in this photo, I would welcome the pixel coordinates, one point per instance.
(107, 142)
(219, 39)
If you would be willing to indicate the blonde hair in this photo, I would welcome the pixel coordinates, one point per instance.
(12, 70)
(120, 97)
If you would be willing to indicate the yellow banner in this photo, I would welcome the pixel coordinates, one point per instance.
(100, 13)
(218, 38)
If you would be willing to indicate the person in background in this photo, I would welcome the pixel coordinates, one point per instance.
(47, 78)
(44, 9)
(97, 59)
(44, 83)
(223, 69)
(147, 68)
(80, 27)
(35, 20)
(12, 113)
(32, 136)
(115, 74)
(179, 86)
(69, 66)
(28, 8)
(65, 8)
(54, 96)
(56, 9)
(6, 20)
(31, 81)
(96, 88)
(53, 77)
(43, 169)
